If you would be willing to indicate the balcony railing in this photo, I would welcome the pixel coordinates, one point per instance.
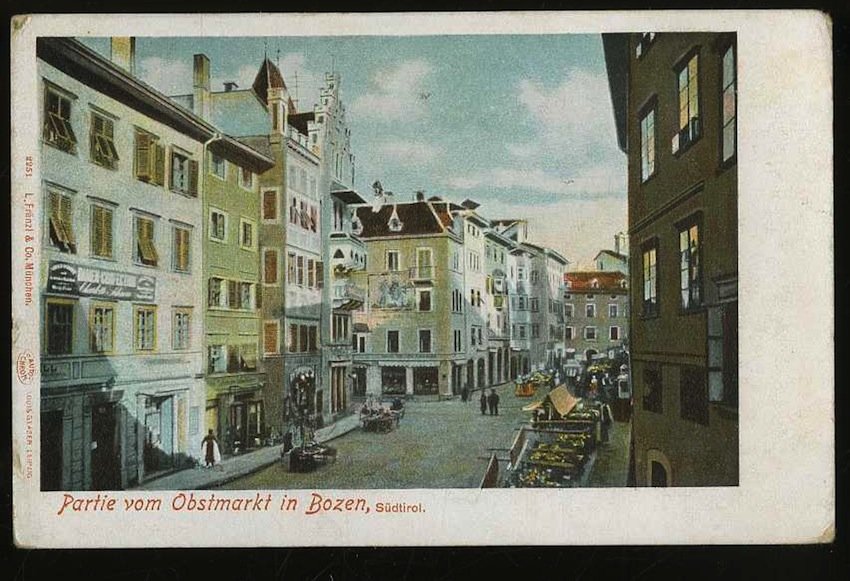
(347, 295)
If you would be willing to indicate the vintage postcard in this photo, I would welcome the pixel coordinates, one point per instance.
(422, 279)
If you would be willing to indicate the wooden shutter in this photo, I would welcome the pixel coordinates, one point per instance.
(145, 148)
(270, 267)
(67, 220)
(157, 159)
(270, 338)
(193, 177)
(270, 205)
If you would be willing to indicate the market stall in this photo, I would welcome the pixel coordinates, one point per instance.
(550, 459)
(307, 458)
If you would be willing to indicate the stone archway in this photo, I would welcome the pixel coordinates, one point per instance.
(659, 473)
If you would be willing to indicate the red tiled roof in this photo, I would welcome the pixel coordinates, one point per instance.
(417, 218)
(606, 280)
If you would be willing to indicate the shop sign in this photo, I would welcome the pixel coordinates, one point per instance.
(89, 281)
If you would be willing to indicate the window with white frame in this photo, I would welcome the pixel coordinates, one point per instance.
(590, 333)
(613, 311)
(58, 130)
(102, 327)
(218, 225)
(614, 333)
(650, 280)
(393, 260)
(647, 144)
(102, 141)
(145, 328)
(181, 326)
(145, 241)
(687, 79)
(61, 221)
(689, 265)
(246, 178)
(216, 359)
(730, 102)
(590, 311)
(218, 166)
(570, 333)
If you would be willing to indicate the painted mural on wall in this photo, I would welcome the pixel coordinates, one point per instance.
(394, 293)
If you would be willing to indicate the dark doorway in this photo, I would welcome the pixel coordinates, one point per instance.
(470, 375)
(359, 386)
(425, 380)
(658, 474)
(51, 450)
(491, 359)
(105, 455)
(481, 378)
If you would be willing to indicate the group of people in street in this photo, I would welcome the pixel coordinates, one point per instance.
(489, 402)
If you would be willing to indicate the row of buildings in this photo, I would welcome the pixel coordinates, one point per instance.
(252, 287)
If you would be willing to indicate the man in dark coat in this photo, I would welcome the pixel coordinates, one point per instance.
(493, 402)
(484, 402)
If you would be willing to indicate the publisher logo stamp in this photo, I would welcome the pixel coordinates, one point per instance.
(25, 367)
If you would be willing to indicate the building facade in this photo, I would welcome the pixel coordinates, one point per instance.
(674, 99)
(414, 313)
(122, 347)
(596, 316)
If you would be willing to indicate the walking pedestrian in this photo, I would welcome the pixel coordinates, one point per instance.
(464, 394)
(483, 402)
(493, 402)
(211, 452)
(607, 419)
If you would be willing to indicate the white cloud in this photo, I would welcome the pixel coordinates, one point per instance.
(168, 76)
(396, 93)
(408, 152)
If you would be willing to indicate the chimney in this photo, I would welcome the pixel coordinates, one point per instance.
(420, 196)
(123, 52)
(201, 86)
(617, 243)
(229, 86)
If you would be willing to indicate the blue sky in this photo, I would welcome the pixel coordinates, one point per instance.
(522, 124)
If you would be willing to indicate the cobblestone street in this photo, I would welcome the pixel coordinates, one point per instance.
(437, 445)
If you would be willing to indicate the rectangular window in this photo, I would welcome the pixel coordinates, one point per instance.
(590, 333)
(270, 266)
(181, 332)
(647, 145)
(590, 311)
(271, 337)
(247, 240)
(730, 103)
(145, 245)
(270, 205)
(687, 79)
(102, 325)
(652, 390)
(57, 122)
(392, 341)
(303, 339)
(535, 331)
(393, 263)
(101, 141)
(568, 310)
(569, 334)
(314, 218)
(689, 266)
(60, 327)
(181, 249)
(613, 311)
(293, 210)
(184, 174)
(424, 340)
(293, 338)
(614, 333)
(214, 293)
(61, 220)
(216, 359)
(423, 262)
(650, 281)
(149, 158)
(693, 395)
(522, 331)
(246, 178)
(246, 296)
(303, 215)
(218, 166)
(218, 225)
(291, 271)
(299, 270)
(424, 297)
(144, 331)
(248, 357)
(535, 305)
(101, 231)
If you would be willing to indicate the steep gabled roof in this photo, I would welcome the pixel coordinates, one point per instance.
(417, 218)
(616, 255)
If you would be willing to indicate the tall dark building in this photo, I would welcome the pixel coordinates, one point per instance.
(675, 101)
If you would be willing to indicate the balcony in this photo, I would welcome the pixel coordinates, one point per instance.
(347, 252)
(347, 296)
(422, 274)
